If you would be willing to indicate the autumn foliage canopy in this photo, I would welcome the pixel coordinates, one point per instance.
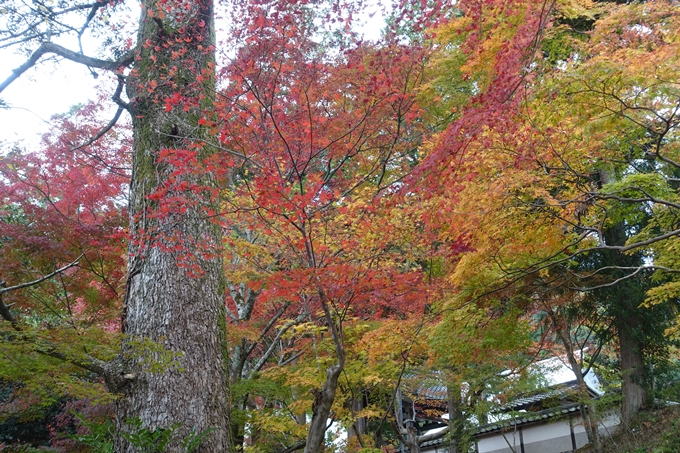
(467, 193)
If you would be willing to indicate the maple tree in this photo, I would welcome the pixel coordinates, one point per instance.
(617, 208)
(474, 72)
(311, 184)
(473, 153)
(582, 167)
(63, 236)
(320, 140)
(333, 167)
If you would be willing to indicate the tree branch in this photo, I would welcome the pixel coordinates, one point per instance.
(4, 309)
(433, 436)
(101, 132)
(41, 279)
(268, 353)
(299, 446)
(114, 377)
(51, 48)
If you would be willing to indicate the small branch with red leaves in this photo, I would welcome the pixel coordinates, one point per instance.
(4, 289)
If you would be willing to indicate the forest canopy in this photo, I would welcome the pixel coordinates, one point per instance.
(274, 240)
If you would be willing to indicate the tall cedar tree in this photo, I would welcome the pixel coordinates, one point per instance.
(175, 283)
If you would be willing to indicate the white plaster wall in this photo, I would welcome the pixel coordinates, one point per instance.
(538, 433)
(495, 443)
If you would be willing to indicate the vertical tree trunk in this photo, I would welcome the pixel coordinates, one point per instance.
(411, 438)
(456, 419)
(358, 429)
(633, 371)
(584, 396)
(321, 410)
(636, 328)
(174, 301)
(324, 398)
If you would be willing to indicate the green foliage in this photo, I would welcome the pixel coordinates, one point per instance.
(670, 439)
(474, 335)
(45, 380)
(99, 437)
(560, 45)
(270, 393)
(20, 448)
(152, 356)
(195, 438)
(667, 378)
(153, 440)
(446, 89)
(573, 18)
(635, 187)
(25, 417)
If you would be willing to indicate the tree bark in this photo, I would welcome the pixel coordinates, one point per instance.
(174, 305)
(583, 395)
(456, 419)
(408, 434)
(324, 398)
(633, 373)
(636, 327)
(358, 429)
(411, 439)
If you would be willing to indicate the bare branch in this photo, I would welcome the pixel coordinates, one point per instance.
(433, 435)
(41, 279)
(299, 446)
(51, 48)
(648, 198)
(612, 283)
(101, 132)
(260, 363)
(625, 268)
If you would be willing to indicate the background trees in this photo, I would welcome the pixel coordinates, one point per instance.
(63, 237)
(565, 186)
(313, 201)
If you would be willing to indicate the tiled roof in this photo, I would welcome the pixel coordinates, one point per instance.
(521, 419)
(516, 419)
(429, 386)
(525, 418)
(555, 392)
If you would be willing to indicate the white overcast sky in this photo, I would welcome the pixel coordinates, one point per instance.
(38, 94)
(51, 88)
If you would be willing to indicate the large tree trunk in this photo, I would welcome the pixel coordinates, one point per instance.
(633, 372)
(634, 325)
(456, 419)
(174, 301)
